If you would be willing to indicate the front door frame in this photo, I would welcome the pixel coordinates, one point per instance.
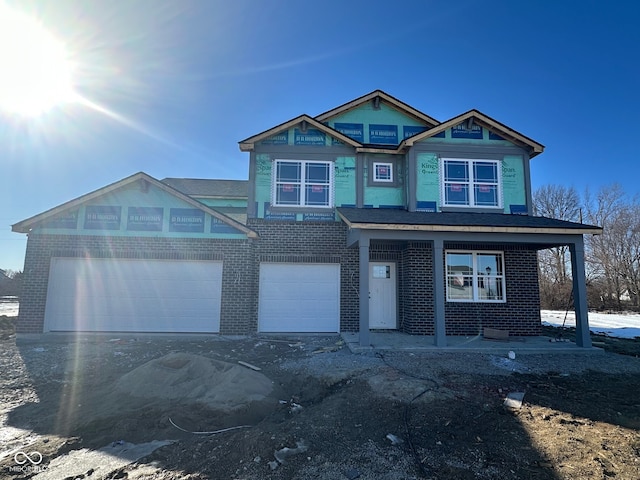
(393, 277)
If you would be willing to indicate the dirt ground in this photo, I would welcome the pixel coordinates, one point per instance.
(341, 416)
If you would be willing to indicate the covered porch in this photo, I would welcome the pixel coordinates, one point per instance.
(441, 232)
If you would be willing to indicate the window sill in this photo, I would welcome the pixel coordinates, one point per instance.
(472, 209)
(476, 301)
(300, 209)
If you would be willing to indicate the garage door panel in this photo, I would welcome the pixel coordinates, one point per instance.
(133, 295)
(299, 298)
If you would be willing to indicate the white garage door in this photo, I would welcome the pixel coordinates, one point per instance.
(124, 295)
(299, 297)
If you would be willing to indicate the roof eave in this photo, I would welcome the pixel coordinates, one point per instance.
(469, 228)
(26, 225)
(222, 197)
(389, 151)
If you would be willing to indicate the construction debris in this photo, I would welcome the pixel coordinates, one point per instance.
(514, 400)
(332, 348)
(285, 452)
(248, 365)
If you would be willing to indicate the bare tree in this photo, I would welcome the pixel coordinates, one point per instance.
(562, 203)
(615, 255)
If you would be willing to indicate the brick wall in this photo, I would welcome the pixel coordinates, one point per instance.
(520, 314)
(302, 242)
(310, 242)
(417, 259)
(238, 288)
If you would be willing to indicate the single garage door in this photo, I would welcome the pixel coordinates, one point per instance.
(299, 297)
(125, 295)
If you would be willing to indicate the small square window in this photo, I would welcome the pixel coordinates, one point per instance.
(382, 172)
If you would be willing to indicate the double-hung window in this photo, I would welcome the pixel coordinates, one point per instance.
(475, 276)
(303, 183)
(471, 183)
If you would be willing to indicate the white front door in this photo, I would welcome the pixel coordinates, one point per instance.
(382, 295)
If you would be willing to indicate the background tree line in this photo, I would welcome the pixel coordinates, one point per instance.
(612, 259)
(10, 283)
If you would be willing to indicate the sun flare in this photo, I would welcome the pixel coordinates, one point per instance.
(35, 72)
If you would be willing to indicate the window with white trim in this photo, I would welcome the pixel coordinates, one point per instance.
(302, 183)
(383, 172)
(475, 276)
(471, 183)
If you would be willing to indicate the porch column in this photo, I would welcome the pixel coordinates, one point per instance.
(583, 338)
(363, 246)
(438, 293)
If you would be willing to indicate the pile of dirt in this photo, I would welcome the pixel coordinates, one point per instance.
(188, 378)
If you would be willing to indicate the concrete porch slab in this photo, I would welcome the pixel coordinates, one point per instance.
(398, 341)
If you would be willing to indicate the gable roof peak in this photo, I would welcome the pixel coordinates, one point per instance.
(247, 144)
(485, 121)
(25, 226)
(380, 95)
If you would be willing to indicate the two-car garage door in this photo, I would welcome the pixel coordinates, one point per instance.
(126, 295)
(297, 297)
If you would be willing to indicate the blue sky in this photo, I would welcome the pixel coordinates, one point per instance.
(176, 84)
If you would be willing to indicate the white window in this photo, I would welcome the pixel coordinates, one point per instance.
(302, 183)
(471, 183)
(382, 172)
(475, 276)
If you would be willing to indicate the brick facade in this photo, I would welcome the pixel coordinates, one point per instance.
(520, 314)
(310, 242)
(302, 242)
(417, 259)
(238, 290)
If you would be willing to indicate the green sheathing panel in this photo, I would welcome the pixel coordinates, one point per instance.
(462, 136)
(133, 212)
(263, 182)
(344, 187)
(345, 181)
(294, 136)
(428, 181)
(365, 115)
(384, 197)
(513, 181)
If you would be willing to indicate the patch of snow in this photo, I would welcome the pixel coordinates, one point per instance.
(620, 325)
(9, 306)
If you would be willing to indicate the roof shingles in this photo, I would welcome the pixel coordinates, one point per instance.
(201, 187)
(382, 216)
